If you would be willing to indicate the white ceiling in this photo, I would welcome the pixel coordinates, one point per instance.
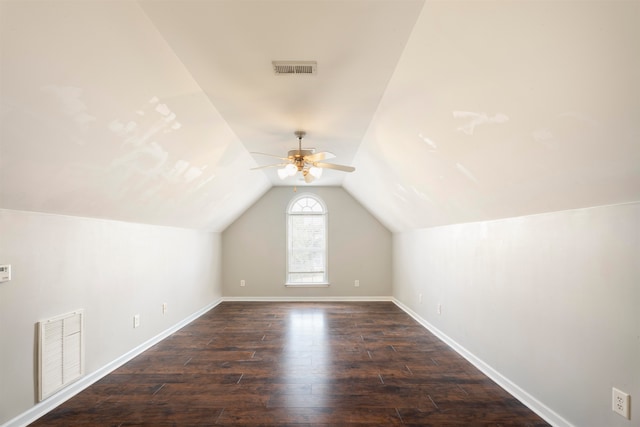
(451, 111)
(228, 47)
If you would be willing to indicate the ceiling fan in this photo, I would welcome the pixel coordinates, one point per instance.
(306, 161)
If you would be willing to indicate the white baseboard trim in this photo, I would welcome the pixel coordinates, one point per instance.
(306, 299)
(62, 396)
(528, 400)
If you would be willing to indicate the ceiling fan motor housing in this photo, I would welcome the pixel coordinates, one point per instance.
(300, 153)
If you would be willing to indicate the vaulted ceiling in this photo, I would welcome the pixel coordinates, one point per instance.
(148, 111)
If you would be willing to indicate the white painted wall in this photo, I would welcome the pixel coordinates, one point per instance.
(254, 249)
(551, 302)
(112, 270)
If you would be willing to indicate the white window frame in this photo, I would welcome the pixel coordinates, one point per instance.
(325, 216)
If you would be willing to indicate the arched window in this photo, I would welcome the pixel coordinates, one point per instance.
(307, 241)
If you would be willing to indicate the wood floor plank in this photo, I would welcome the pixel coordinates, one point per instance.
(296, 364)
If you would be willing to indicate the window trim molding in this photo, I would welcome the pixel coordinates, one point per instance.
(325, 215)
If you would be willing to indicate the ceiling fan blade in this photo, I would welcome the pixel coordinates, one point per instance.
(270, 155)
(270, 166)
(319, 156)
(334, 166)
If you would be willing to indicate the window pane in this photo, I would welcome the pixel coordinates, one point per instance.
(306, 278)
(306, 246)
(306, 252)
(306, 204)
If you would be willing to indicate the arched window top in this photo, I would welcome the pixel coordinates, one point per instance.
(307, 204)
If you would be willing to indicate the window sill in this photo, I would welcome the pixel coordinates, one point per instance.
(306, 285)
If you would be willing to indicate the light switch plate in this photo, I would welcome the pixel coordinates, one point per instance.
(5, 273)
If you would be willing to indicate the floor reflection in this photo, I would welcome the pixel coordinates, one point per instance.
(307, 354)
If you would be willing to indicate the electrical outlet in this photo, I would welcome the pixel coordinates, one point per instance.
(164, 307)
(242, 282)
(136, 320)
(439, 308)
(620, 403)
(356, 283)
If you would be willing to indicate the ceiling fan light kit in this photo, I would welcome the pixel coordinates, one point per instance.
(305, 161)
(315, 171)
(287, 171)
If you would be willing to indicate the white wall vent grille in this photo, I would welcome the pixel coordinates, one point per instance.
(294, 67)
(60, 352)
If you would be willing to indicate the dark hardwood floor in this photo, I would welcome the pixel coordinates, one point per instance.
(297, 363)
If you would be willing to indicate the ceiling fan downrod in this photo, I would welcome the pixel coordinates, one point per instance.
(300, 134)
(299, 158)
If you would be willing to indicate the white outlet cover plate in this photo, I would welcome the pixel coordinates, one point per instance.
(620, 401)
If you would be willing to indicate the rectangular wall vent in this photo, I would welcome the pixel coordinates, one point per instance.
(294, 67)
(60, 352)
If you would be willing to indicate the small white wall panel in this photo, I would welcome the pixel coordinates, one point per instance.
(61, 352)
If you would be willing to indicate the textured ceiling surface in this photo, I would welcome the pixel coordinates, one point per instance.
(451, 111)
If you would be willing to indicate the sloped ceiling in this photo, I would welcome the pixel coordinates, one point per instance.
(502, 109)
(101, 119)
(451, 111)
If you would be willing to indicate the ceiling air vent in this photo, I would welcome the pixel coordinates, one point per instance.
(294, 67)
